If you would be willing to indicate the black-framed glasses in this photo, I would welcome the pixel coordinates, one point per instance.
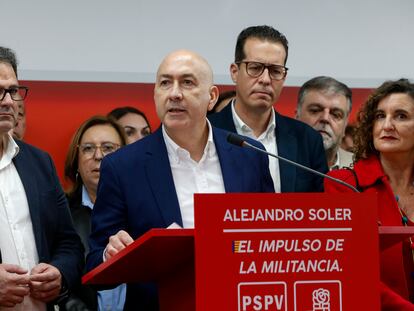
(16, 93)
(255, 69)
(88, 150)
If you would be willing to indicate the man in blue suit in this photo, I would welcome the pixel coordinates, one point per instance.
(259, 73)
(150, 184)
(40, 252)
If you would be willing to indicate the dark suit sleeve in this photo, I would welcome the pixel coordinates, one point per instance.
(266, 184)
(108, 214)
(66, 248)
(318, 160)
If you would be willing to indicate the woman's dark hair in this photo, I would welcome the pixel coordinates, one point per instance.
(118, 113)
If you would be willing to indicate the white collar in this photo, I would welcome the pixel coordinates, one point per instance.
(86, 200)
(176, 152)
(242, 127)
(10, 151)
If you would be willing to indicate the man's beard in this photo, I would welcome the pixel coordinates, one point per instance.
(329, 139)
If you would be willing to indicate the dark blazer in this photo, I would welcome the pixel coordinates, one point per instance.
(136, 193)
(295, 141)
(56, 240)
(81, 216)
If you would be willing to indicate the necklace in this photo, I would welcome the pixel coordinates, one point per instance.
(404, 220)
(407, 195)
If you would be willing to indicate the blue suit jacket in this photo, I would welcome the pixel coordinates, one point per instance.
(56, 240)
(295, 141)
(136, 193)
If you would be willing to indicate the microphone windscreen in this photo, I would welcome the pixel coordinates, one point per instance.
(235, 139)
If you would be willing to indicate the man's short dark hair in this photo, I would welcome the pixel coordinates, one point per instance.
(9, 57)
(325, 84)
(265, 33)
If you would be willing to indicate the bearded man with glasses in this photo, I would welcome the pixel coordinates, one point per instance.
(259, 72)
(41, 256)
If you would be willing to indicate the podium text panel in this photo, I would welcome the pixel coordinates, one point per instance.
(286, 252)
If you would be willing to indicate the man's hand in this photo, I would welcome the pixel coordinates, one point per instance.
(45, 282)
(14, 285)
(117, 243)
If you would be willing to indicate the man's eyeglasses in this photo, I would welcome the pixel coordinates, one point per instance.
(88, 150)
(16, 93)
(255, 69)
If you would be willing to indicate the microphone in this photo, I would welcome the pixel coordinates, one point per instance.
(237, 140)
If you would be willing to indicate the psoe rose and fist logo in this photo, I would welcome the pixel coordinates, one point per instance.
(322, 295)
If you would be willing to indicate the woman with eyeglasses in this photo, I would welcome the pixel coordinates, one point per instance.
(384, 152)
(94, 139)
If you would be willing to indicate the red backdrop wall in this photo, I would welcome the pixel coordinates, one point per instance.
(56, 109)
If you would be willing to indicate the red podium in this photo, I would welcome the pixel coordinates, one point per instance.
(235, 260)
(164, 256)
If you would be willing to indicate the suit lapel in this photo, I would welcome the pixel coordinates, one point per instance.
(227, 111)
(22, 164)
(229, 162)
(224, 119)
(158, 172)
(287, 148)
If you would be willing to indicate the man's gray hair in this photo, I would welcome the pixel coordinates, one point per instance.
(325, 84)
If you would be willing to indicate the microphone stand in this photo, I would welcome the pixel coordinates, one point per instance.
(239, 141)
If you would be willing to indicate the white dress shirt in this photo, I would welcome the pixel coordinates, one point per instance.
(343, 159)
(268, 140)
(17, 243)
(193, 177)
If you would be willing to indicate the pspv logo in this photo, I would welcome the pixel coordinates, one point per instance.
(256, 296)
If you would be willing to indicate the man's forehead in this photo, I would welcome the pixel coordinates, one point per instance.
(182, 72)
(7, 74)
(327, 94)
(178, 64)
(184, 63)
(177, 74)
(255, 46)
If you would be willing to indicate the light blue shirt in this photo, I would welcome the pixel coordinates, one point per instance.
(110, 299)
